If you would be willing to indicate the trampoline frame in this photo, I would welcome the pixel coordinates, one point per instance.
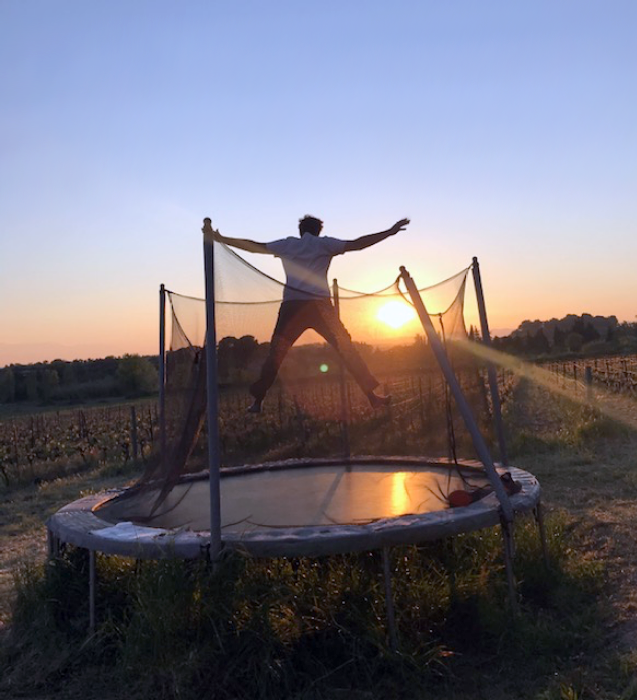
(80, 523)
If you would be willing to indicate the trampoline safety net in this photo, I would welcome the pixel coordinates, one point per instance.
(315, 408)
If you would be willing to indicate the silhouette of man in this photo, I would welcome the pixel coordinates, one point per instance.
(306, 299)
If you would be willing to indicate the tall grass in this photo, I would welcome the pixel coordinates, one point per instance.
(303, 627)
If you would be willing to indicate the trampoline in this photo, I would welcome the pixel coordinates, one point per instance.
(305, 506)
(294, 508)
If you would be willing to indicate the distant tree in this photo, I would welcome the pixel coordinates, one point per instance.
(136, 376)
(68, 374)
(559, 339)
(80, 370)
(225, 356)
(574, 342)
(49, 381)
(626, 330)
(538, 344)
(7, 385)
(590, 333)
(31, 382)
(512, 344)
(474, 334)
(244, 349)
(578, 326)
(585, 329)
(59, 366)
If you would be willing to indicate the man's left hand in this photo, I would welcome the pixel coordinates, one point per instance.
(208, 232)
(400, 225)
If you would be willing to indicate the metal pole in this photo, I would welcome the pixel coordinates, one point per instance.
(91, 590)
(464, 408)
(342, 382)
(507, 542)
(211, 396)
(491, 371)
(162, 373)
(52, 545)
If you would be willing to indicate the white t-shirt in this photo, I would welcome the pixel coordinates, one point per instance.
(306, 261)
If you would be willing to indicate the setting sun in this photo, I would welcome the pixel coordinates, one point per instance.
(395, 314)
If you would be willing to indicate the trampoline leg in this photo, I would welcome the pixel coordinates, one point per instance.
(539, 518)
(389, 602)
(52, 545)
(91, 590)
(507, 537)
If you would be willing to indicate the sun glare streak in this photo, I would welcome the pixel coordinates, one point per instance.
(616, 407)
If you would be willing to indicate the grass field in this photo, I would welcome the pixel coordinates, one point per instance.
(316, 629)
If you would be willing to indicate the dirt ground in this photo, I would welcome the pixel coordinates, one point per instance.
(23, 514)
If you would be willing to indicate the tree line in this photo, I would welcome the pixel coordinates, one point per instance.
(78, 381)
(239, 359)
(572, 336)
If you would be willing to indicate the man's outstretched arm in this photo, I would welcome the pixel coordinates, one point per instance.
(243, 243)
(373, 238)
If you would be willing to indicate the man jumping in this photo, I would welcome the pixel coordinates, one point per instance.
(306, 299)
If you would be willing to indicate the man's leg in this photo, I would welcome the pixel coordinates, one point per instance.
(328, 324)
(289, 326)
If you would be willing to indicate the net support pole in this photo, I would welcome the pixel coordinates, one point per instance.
(463, 406)
(491, 371)
(162, 371)
(342, 383)
(52, 545)
(212, 398)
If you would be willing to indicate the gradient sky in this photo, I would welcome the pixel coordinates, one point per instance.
(505, 130)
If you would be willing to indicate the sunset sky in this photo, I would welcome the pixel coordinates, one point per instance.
(504, 130)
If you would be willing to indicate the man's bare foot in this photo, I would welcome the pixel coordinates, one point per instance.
(377, 401)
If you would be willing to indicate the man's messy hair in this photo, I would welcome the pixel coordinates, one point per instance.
(310, 224)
